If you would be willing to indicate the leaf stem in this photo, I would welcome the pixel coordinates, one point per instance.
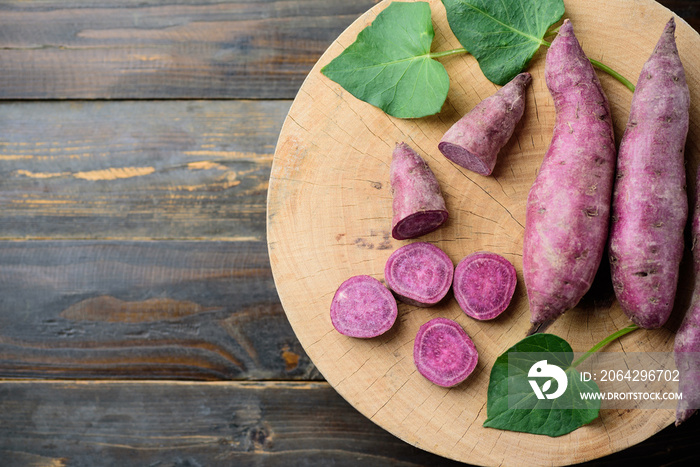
(445, 53)
(613, 73)
(554, 30)
(603, 343)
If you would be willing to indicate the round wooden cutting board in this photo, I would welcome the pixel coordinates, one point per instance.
(329, 218)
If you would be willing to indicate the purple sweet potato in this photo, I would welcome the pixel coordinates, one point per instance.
(475, 140)
(419, 273)
(484, 284)
(363, 307)
(418, 205)
(444, 353)
(650, 205)
(686, 347)
(687, 356)
(568, 206)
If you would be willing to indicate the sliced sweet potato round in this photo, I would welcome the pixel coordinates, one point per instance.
(444, 353)
(419, 273)
(363, 307)
(484, 284)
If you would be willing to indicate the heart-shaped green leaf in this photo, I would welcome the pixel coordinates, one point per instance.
(502, 35)
(389, 64)
(519, 398)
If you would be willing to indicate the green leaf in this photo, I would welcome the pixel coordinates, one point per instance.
(389, 65)
(514, 405)
(502, 35)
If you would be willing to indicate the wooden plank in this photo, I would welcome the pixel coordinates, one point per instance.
(136, 169)
(119, 423)
(151, 49)
(144, 310)
(55, 423)
(186, 49)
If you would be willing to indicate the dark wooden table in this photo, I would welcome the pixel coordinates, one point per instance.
(139, 323)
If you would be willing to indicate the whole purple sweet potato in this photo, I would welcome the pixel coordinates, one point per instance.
(650, 205)
(686, 351)
(418, 205)
(686, 347)
(444, 353)
(419, 273)
(475, 140)
(363, 307)
(566, 222)
(484, 284)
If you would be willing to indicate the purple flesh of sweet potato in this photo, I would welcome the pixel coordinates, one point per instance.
(484, 284)
(566, 221)
(418, 205)
(475, 140)
(443, 353)
(363, 307)
(650, 205)
(419, 273)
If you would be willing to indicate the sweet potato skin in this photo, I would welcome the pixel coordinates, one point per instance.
(650, 205)
(418, 205)
(474, 141)
(568, 205)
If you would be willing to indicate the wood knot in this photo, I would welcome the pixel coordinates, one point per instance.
(291, 359)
